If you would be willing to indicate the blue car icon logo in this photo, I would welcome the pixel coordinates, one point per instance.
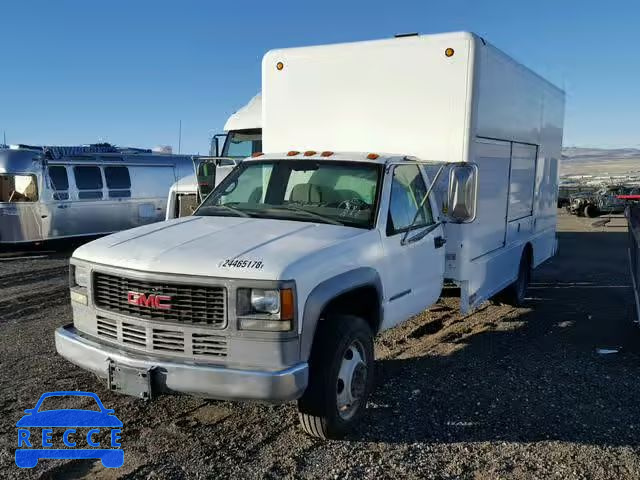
(35, 433)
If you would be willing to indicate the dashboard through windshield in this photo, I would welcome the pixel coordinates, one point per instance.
(341, 193)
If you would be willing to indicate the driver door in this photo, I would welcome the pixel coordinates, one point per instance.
(414, 254)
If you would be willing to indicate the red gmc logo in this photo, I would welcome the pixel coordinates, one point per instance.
(152, 300)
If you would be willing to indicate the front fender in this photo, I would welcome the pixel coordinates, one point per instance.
(326, 291)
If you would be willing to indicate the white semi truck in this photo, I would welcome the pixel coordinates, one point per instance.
(275, 288)
(242, 138)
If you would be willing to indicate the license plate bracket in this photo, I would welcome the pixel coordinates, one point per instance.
(128, 380)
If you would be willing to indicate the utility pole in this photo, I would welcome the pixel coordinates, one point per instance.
(180, 137)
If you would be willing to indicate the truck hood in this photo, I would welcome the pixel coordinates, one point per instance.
(231, 247)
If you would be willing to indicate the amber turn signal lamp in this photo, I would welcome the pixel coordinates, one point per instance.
(286, 304)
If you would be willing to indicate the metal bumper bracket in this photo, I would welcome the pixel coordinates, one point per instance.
(130, 380)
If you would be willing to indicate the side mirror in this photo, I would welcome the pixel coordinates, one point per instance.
(462, 193)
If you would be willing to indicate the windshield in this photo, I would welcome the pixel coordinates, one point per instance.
(342, 193)
(242, 143)
(18, 188)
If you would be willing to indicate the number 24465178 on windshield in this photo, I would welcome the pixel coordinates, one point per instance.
(240, 263)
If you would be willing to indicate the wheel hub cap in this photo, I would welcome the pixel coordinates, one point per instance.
(352, 380)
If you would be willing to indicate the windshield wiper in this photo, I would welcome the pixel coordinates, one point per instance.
(319, 216)
(235, 210)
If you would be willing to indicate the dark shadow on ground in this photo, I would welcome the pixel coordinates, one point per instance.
(52, 247)
(541, 380)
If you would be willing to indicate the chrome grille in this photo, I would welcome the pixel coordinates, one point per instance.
(206, 345)
(181, 341)
(134, 335)
(107, 328)
(195, 304)
(168, 341)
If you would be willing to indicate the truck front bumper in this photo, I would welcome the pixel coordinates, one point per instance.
(208, 381)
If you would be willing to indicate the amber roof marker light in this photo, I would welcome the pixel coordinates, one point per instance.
(279, 66)
(449, 52)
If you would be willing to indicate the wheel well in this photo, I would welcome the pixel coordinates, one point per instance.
(362, 302)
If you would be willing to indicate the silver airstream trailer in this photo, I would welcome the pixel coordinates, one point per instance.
(49, 193)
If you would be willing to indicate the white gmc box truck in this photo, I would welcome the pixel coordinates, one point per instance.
(390, 168)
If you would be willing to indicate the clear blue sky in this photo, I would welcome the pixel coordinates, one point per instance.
(126, 71)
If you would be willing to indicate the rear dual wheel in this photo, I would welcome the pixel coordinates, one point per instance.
(516, 293)
(340, 377)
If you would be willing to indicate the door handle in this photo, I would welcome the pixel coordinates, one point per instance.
(439, 242)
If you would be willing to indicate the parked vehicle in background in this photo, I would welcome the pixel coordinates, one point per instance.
(243, 132)
(568, 191)
(55, 192)
(606, 200)
(274, 289)
(243, 138)
(187, 193)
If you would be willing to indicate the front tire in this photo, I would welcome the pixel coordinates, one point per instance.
(340, 377)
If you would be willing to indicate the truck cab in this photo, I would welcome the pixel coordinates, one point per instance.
(311, 248)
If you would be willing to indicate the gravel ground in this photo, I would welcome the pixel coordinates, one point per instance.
(502, 393)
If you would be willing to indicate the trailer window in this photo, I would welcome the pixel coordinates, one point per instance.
(118, 182)
(407, 191)
(59, 182)
(89, 182)
(18, 188)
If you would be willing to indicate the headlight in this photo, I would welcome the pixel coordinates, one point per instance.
(265, 310)
(267, 301)
(81, 276)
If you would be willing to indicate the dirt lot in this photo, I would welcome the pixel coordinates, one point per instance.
(502, 393)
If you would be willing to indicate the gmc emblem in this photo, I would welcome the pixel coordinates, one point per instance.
(161, 302)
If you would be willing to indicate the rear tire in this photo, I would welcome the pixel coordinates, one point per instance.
(515, 293)
(340, 377)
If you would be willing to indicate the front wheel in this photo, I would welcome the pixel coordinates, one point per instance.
(340, 377)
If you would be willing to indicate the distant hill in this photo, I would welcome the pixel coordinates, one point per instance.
(590, 161)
